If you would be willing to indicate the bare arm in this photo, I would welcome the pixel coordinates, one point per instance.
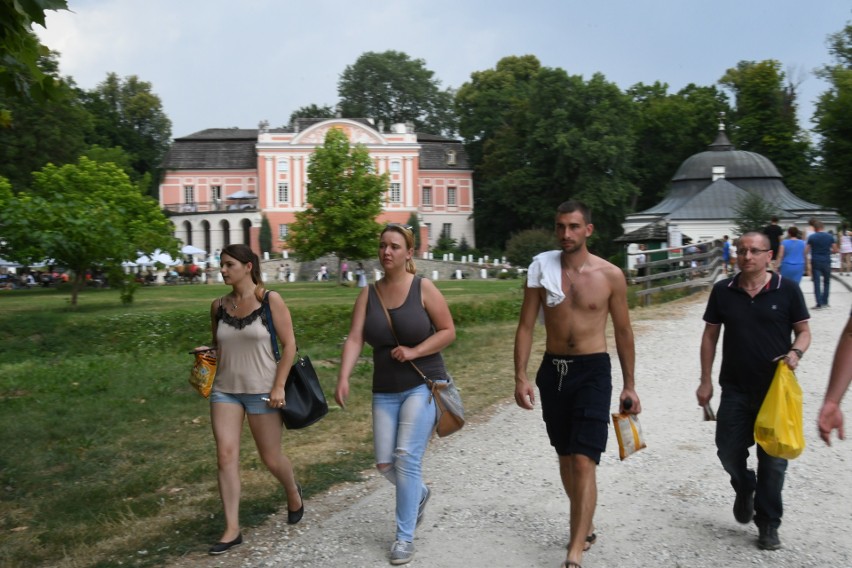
(351, 348)
(802, 331)
(708, 354)
(830, 416)
(524, 391)
(445, 331)
(624, 342)
(283, 323)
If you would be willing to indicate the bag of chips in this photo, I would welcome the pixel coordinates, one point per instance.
(203, 371)
(628, 431)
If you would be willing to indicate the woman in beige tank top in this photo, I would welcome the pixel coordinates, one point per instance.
(249, 382)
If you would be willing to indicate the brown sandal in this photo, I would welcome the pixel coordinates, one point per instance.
(570, 564)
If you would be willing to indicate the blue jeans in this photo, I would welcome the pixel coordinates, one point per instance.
(402, 425)
(734, 436)
(821, 271)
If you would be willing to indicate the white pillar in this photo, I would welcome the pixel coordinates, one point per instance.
(484, 273)
(458, 274)
(434, 275)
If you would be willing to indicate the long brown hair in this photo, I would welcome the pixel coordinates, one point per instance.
(407, 234)
(243, 254)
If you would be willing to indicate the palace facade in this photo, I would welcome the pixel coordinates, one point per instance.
(218, 184)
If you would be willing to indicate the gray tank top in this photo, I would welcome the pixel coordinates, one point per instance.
(412, 325)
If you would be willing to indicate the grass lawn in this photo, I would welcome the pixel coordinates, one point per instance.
(107, 450)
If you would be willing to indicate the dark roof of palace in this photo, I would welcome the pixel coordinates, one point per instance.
(234, 149)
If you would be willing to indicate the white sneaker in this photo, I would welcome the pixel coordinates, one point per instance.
(401, 552)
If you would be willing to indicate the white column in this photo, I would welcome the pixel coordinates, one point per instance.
(408, 181)
(269, 180)
(296, 181)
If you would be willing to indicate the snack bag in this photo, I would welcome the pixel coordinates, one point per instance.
(628, 431)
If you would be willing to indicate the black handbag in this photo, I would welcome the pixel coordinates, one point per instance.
(305, 401)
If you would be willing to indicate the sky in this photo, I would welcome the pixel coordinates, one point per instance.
(220, 64)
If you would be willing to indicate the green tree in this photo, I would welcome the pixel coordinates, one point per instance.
(127, 114)
(39, 131)
(833, 117)
(20, 50)
(523, 246)
(393, 88)
(414, 223)
(265, 236)
(345, 197)
(547, 138)
(670, 128)
(82, 215)
(764, 120)
(753, 213)
(311, 111)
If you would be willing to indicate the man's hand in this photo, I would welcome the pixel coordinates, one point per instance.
(524, 394)
(704, 393)
(830, 418)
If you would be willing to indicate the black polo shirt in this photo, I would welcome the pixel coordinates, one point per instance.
(757, 330)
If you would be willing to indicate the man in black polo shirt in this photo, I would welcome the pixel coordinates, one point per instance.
(760, 311)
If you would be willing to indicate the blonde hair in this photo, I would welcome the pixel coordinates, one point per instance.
(407, 234)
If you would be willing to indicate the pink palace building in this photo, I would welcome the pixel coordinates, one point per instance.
(219, 183)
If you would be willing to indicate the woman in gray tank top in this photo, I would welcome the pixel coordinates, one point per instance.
(403, 412)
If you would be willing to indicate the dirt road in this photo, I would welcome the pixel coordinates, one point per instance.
(498, 502)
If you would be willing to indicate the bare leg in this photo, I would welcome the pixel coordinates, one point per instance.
(266, 430)
(227, 421)
(580, 483)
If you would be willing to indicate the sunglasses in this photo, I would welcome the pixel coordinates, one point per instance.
(407, 228)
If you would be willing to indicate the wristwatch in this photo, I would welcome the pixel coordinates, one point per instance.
(798, 352)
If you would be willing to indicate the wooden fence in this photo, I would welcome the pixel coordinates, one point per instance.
(698, 270)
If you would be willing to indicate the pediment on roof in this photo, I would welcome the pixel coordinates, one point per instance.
(356, 133)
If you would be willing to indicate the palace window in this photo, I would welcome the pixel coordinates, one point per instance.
(426, 199)
(451, 196)
(395, 193)
(283, 166)
(394, 167)
(283, 192)
(189, 194)
(447, 231)
(283, 231)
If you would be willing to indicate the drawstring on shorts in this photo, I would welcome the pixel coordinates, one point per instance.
(562, 369)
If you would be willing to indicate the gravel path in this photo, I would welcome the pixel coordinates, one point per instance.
(497, 500)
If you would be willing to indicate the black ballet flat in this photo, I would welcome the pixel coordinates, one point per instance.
(294, 517)
(223, 547)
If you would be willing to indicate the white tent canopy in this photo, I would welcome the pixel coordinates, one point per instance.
(157, 256)
(189, 249)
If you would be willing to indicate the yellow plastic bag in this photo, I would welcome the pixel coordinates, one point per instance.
(203, 371)
(778, 428)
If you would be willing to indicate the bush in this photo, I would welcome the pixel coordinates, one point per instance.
(523, 246)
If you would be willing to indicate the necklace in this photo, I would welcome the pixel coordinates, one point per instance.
(233, 301)
(753, 288)
(579, 272)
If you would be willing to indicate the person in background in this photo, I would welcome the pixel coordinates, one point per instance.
(404, 413)
(726, 252)
(830, 416)
(791, 256)
(362, 275)
(760, 312)
(774, 232)
(577, 293)
(819, 246)
(845, 251)
(249, 383)
(344, 270)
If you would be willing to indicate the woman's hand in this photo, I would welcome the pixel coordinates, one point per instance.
(276, 397)
(341, 393)
(403, 354)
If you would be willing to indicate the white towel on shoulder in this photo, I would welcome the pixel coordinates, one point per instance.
(546, 272)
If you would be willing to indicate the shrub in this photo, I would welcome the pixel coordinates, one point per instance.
(523, 246)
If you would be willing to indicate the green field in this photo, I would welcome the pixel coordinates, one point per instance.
(107, 450)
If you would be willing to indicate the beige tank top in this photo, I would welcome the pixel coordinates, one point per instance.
(246, 362)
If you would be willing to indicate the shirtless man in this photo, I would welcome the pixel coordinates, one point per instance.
(576, 291)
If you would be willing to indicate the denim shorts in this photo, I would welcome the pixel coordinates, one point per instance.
(252, 403)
